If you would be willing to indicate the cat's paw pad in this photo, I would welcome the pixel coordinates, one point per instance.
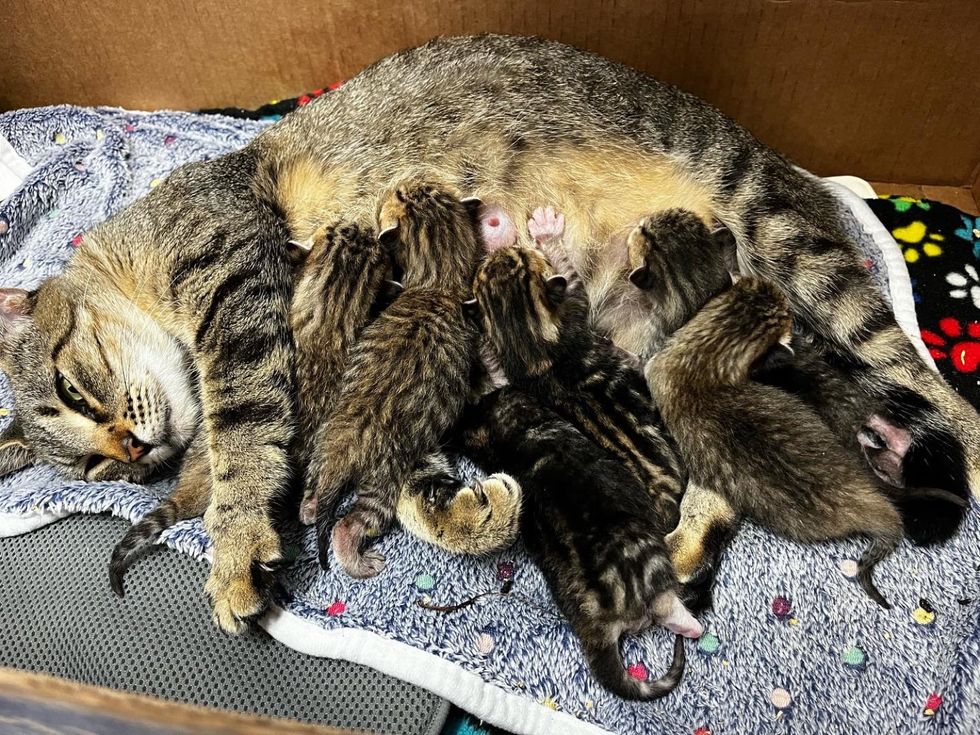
(545, 225)
(496, 227)
(348, 539)
(307, 510)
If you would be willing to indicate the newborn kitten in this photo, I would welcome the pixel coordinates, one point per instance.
(589, 525)
(538, 323)
(765, 451)
(408, 376)
(678, 265)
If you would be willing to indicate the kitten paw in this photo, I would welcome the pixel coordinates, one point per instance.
(479, 519)
(307, 510)
(545, 225)
(496, 227)
(347, 539)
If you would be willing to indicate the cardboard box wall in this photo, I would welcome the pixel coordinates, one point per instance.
(885, 89)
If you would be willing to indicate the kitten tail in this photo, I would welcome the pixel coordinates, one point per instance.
(607, 666)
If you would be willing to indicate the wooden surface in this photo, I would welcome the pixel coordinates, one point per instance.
(43, 705)
(882, 89)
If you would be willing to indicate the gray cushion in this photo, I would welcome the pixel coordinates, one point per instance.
(59, 617)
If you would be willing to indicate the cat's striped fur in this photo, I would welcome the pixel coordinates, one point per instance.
(589, 525)
(408, 377)
(516, 121)
(539, 327)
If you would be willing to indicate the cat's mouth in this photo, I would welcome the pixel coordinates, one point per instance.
(94, 463)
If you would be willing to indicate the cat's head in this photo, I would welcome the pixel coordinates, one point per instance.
(733, 335)
(525, 308)
(100, 390)
(679, 264)
(432, 233)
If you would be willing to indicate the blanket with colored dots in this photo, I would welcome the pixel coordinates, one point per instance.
(792, 646)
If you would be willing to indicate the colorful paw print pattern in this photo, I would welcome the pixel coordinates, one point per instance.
(941, 246)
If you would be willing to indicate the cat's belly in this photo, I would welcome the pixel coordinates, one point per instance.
(603, 191)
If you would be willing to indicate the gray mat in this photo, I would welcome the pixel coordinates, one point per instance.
(59, 617)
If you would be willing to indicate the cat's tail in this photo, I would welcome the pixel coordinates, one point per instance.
(607, 666)
(139, 537)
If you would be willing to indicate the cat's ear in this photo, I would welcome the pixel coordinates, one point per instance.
(471, 308)
(388, 234)
(15, 452)
(555, 288)
(15, 314)
(472, 205)
(642, 278)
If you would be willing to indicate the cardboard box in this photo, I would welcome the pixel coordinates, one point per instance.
(884, 89)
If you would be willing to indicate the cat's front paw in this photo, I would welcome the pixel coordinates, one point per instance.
(245, 551)
(545, 225)
(478, 519)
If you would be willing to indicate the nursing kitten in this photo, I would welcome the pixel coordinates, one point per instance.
(408, 377)
(589, 525)
(767, 453)
(538, 323)
(678, 265)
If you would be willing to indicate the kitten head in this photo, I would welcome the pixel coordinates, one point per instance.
(525, 308)
(100, 390)
(678, 264)
(732, 335)
(433, 235)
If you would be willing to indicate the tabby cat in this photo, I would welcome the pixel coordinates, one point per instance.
(765, 451)
(187, 289)
(589, 525)
(408, 377)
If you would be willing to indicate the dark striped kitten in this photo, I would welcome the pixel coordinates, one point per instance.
(408, 377)
(538, 323)
(678, 265)
(766, 452)
(588, 523)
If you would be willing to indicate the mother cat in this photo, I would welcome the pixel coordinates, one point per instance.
(184, 295)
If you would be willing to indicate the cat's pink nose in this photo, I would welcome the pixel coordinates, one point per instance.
(134, 447)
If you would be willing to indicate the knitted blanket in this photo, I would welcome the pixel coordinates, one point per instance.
(793, 644)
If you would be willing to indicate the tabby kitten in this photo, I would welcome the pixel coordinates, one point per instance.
(538, 323)
(590, 527)
(678, 265)
(766, 452)
(408, 378)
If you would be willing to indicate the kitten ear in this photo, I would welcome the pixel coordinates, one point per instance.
(777, 357)
(472, 205)
(555, 287)
(471, 308)
(15, 453)
(641, 278)
(388, 236)
(390, 290)
(15, 313)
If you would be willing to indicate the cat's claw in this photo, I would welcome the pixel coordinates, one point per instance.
(545, 225)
